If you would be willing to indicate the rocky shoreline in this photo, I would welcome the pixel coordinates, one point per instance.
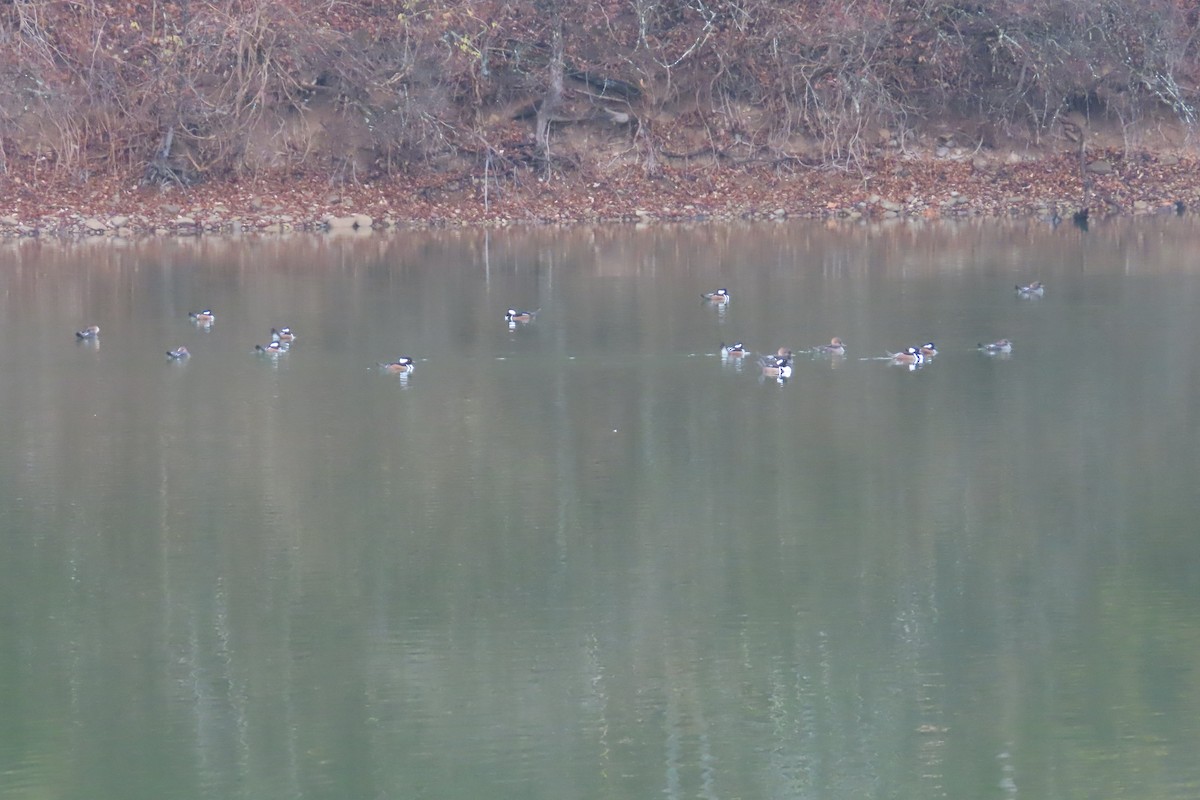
(955, 185)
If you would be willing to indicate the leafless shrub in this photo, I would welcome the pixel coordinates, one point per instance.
(196, 89)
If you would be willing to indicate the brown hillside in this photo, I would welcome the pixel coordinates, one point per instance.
(466, 110)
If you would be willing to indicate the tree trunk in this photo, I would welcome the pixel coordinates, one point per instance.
(552, 100)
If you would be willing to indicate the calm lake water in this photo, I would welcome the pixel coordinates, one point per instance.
(586, 558)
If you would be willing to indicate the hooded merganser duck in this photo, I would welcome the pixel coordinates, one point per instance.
(835, 348)
(928, 350)
(720, 296)
(272, 349)
(284, 335)
(206, 316)
(178, 354)
(910, 356)
(735, 350)
(513, 316)
(90, 332)
(1035, 289)
(402, 364)
(993, 348)
(777, 366)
